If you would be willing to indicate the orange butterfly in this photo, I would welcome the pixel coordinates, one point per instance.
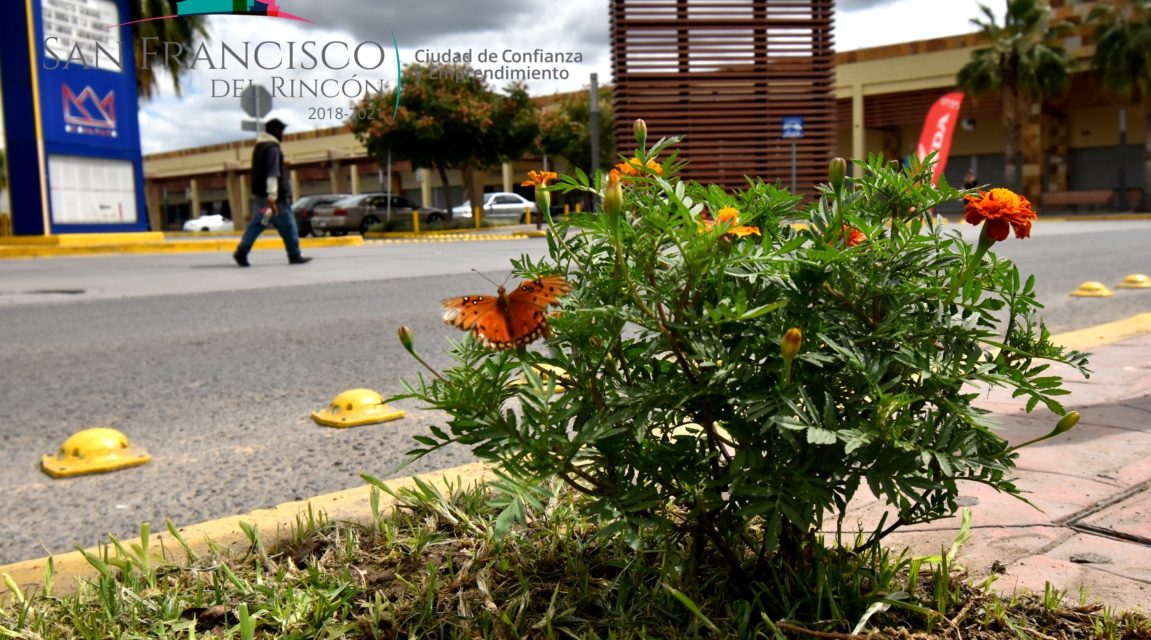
(507, 321)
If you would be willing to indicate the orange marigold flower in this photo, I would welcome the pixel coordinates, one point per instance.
(633, 166)
(539, 178)
(1001, 210)
(854, 236)
(728, 216)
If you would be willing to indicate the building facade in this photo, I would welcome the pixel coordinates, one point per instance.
(877, 97)
(749, 85)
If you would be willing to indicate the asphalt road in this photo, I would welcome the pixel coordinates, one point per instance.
(216, 380)
(215, 369)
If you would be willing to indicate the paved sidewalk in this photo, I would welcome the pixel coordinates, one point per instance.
(1091, 532)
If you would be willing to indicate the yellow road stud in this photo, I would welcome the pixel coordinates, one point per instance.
(1092, 289)
(545, 371)
(95, 450)
(1135, 281)
(356, 408)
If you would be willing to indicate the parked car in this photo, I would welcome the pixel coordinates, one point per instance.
(305, 207)
(361, 212)
(499, 204)
(209, 222)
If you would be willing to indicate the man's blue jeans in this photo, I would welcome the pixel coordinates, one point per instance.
(284, 221)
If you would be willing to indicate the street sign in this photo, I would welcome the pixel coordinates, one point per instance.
(256, 101)
(249, 125)
(793, 126)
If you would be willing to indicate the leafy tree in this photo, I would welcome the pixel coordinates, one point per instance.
(565, 131)
(1123, 60)
(447, 119)
(182, 31)
(1022, 65)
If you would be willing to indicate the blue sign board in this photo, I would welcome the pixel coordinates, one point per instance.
(793, 126)
(70, 117)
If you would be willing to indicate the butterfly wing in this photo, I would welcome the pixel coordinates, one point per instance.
(507, 321)
(527, 309)
(465, 311)
(540, 292)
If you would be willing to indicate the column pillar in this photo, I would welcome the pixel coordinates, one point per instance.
(1031, 144)
(426, 188)
(858, 131)
(354, 171)
(154, 202)
(294, 180)
(507, 175)
(194, 189)
(232, 182)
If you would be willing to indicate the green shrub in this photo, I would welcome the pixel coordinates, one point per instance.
(685, 410)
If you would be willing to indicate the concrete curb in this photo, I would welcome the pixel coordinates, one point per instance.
(352, 505)
(274, 524)
(86, 244)
(43, 250)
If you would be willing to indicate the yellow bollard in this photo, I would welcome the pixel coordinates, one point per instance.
(567, 212)
(527, 215)
(415, 220)
(476, 214)
(579, 207)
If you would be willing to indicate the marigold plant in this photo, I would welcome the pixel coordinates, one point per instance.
(737, 390)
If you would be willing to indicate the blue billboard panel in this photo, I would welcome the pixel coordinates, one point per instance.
(72, 118)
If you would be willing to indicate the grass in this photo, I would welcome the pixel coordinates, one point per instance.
(433, 567)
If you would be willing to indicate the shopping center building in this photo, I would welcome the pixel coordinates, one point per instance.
(881, 97)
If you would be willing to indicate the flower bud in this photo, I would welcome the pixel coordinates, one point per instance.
(789, 346)
(544, 202)
(640, 132)
(837, 171)
(613, 194)
(1069, 420)
(406, 339)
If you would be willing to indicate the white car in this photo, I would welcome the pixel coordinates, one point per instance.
(499, 204)
(209, 222)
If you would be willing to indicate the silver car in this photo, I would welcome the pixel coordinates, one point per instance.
(360, 212)
(499, 204)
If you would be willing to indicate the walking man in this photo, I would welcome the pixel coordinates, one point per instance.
(271, 197)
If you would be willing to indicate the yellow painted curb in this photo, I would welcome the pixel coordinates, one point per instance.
(274, 525)
(85, 239)
(175, 246)
(445, 238)
(1089, 217)
(1105, 333)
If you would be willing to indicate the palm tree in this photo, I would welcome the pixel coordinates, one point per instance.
(1123, 65)
(179, 30)
(1021, 64)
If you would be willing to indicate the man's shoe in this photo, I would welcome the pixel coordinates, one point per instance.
(241, 259)
(298, 259)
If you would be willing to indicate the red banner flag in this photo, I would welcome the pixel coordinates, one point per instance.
(937, 130)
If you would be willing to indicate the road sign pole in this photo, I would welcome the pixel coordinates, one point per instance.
(793, 161)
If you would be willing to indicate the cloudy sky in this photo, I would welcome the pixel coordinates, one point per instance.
(208, 112)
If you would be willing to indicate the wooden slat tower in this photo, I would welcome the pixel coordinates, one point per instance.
(724, 73)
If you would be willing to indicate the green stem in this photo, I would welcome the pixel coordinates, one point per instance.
(985, 242)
